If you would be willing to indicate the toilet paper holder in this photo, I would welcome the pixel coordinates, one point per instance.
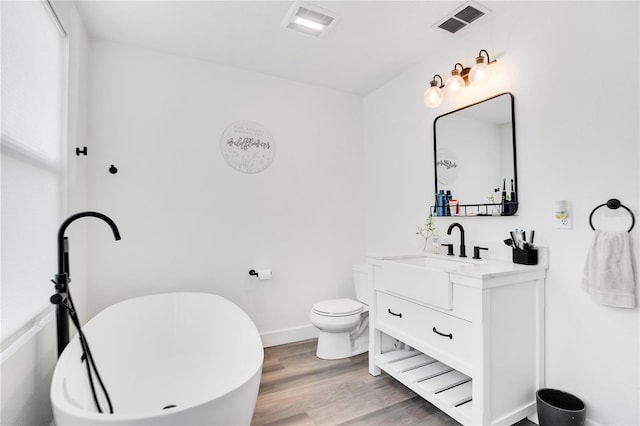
(261, 274)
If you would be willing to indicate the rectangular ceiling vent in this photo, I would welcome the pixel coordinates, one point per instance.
(462, 16)
(310, 20)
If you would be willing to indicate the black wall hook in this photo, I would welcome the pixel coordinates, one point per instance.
(253, 273)
(81, 151)
(113, 170)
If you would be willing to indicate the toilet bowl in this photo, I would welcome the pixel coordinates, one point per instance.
(343, 324)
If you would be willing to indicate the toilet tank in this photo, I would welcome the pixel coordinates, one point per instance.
(361, 282)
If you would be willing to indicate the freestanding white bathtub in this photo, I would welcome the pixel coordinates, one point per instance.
(197, 354)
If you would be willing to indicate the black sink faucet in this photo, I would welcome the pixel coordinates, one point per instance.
(62, 277)
(462, 247)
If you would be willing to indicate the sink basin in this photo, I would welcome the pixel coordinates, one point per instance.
(423, 279)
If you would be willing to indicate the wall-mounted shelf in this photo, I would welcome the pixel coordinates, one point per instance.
(482, 209)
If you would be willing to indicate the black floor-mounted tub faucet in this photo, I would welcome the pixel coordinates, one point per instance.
(62, 277)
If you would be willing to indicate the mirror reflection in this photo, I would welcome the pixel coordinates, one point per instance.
(475, 159)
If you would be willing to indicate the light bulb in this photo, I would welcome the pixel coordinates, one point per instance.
(479, 74)
(455, 83)
(309, 23)
(434, 96)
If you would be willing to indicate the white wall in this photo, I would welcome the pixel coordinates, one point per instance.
(189, 221)
(28, 363)
(577, 139)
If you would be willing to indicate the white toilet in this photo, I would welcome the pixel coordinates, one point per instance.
(343, 324)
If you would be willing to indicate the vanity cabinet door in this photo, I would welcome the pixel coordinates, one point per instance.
(435, 333)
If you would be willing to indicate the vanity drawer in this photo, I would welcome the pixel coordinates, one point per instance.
(440, 335)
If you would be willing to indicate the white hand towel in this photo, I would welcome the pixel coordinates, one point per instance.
(609, 271)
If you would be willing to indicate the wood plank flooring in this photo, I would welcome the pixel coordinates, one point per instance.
(297, 388)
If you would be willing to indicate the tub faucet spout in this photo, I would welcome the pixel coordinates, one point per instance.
(63, 249)
(462, 246)
(62, 277)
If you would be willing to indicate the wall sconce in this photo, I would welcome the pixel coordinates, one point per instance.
(456, 82)
(461, 77)
(434, 95)
(480, 73)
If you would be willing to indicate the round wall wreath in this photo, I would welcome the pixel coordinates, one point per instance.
(247, 146)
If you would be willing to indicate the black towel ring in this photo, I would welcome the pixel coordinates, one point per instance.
(613, 204)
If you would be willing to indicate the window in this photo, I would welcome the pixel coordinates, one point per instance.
(31, 172)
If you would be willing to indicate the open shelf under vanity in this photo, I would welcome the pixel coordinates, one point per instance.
(433, 380)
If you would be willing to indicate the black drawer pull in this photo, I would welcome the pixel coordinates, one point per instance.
(450, 335)
(393, 313)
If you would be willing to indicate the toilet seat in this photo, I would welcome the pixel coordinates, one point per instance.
(338, 307)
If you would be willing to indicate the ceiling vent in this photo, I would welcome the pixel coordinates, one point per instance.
(462, 16)
(310, 20)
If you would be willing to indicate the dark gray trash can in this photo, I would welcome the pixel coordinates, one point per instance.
(558, 408)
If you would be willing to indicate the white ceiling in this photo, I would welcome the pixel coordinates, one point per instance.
(373, 42)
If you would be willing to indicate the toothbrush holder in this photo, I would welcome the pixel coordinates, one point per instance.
(526, 256)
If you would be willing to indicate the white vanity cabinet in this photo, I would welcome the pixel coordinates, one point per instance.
(467, 337)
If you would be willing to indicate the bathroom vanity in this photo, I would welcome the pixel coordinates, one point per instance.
(466, 335)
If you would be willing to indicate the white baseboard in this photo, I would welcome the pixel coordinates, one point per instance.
(288, 335)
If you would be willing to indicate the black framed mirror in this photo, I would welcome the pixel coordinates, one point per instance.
(475, 159)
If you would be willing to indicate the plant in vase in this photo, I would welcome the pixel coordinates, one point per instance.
(428, 232)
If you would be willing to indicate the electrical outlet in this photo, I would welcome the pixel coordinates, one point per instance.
(564, 221)
(563, 215)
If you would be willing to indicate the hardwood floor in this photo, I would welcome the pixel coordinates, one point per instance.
(297, 388)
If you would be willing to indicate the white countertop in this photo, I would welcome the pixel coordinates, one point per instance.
(483, 268)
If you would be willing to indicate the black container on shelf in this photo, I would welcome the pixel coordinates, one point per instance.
(508, 208)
